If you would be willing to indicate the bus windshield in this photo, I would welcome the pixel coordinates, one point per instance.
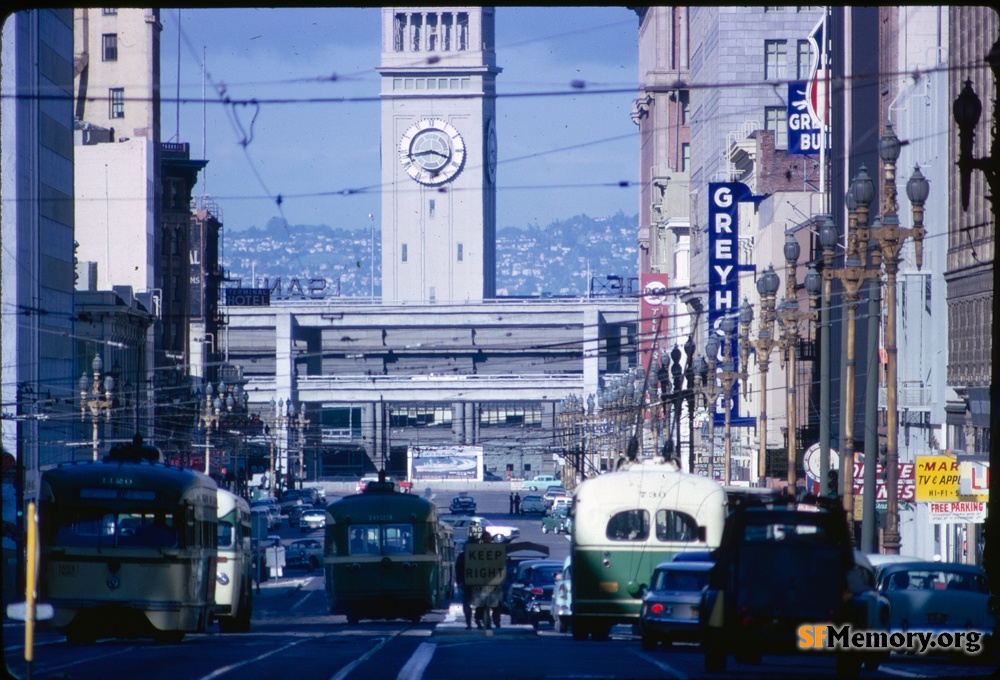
(98, 528)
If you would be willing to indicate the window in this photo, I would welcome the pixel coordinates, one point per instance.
(803, 60)
(432, 294)
(684, 98)
(403, 253)
(116, 99)
(673, 525)
(462, 25)
(685, 157)
(460, 252)
(399, 30)
(110, 51)
(364, 540)
(430, 204)
(775, 59)
(629, 525)
(109, 11)
(775, 119)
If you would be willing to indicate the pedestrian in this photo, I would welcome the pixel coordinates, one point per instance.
(517, 504)
(511, 511)
(466, 590)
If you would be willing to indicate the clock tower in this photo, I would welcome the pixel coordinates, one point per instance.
(438, 97)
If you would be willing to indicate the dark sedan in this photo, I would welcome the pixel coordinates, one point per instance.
(670, 608)
(463, 505)
(529, 598)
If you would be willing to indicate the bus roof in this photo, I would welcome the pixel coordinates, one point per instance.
(229, 501)
(388, 507)
(112, 482)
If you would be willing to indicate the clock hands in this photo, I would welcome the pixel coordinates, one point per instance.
(433, 151)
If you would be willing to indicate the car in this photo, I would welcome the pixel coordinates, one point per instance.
(312, 519)
(776, 568)
(363, 482)
(558, 521)
(317, 494)
(529, 598)
(939, 597)
(540, 482)
(305, 552)
(562, 599)
(551, 493)
(463, 504)
(500, 533)
(693, 556)
(669, 610)
(561, 501)
(268, 516)
(531, 504)
(269, 505)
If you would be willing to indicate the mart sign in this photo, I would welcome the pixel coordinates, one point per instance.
(938, 480)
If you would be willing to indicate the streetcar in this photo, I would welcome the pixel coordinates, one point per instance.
(233, 571)
(387, 555)
(128, 546)
(624, 524)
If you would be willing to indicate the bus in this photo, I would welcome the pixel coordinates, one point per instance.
(387, 555)
(128, 546)
(624, 524)
(234, 565)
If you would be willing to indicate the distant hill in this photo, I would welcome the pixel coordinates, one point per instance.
(530, 261)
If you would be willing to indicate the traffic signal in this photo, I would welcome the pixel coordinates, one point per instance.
(832, 484)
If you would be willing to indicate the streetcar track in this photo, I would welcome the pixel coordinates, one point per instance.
(231, 667)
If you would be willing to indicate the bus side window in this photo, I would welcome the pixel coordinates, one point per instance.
(628, 525)
(673, 525)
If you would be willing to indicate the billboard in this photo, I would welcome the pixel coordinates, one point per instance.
(442, 463)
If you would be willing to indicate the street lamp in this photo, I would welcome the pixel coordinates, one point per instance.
(890, 237)
(727, 376)
(767, 288)
(711, 391)
(852, 276)
(91, 399)
(209, 418)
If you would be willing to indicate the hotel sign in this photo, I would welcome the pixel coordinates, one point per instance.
(248, 297)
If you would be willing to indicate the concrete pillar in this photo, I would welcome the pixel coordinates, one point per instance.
(370, 427)
(458, 422)
(471, 423)
(591, 351)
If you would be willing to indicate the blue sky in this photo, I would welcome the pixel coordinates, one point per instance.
(309, 152)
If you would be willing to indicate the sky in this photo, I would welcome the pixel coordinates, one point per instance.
(559, 155)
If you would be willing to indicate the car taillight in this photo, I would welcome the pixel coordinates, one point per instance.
(656, 608)
(537, 591)
(222, 560)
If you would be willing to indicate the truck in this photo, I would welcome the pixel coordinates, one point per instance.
(780, 566)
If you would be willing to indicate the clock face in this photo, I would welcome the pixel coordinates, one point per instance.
(491, 151)
(432, 151)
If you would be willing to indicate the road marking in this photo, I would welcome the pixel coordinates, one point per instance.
(225, 669)
(902, 674)
(346, 670)
(304, 598)
(417, 664)
(659, 664)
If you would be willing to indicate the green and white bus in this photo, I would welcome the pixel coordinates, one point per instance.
(624, 524)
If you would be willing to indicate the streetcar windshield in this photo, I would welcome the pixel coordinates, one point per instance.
(97, 528)
(379, 539)
(226, 533)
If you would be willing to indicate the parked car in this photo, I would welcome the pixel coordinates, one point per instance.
(312, 519)
(939, 596)
(562, 599)
(268, 517)
(270, 506)
(540, 482)
(558, 521)
(551, 493)
(500, 532)
(529, 599)
(317, 493)
(363, 482)
(463, 505)
(305, 552)
(669, 610)
(563, 501)
(530, 504)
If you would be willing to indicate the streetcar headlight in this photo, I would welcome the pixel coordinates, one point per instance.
(222, 578)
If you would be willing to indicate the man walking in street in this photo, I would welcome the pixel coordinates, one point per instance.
(517, 504)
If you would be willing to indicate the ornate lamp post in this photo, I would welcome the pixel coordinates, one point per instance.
(300, 422)
(711, 391)
(209, 418)
(767, 287)
(890, 237)
(727, 376)
(92, 401)
(278, 420)
(851, 276)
